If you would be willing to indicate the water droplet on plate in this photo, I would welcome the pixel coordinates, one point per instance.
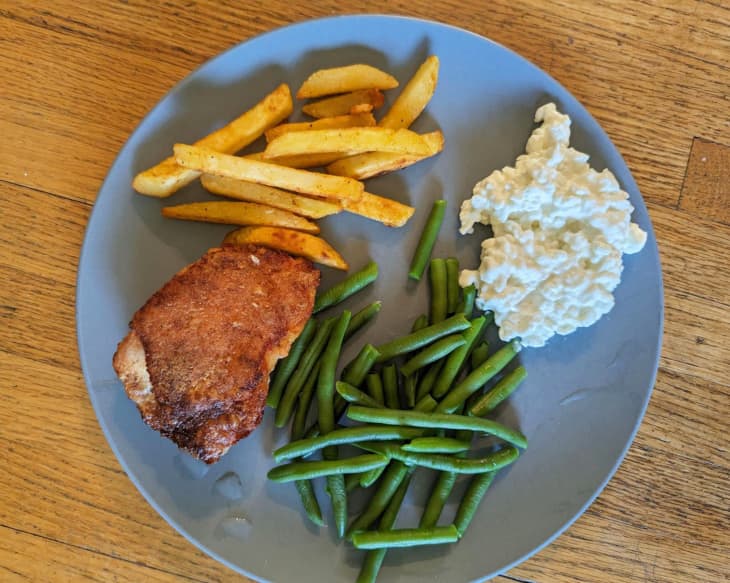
(229, 486)
(189, 467)
(236, 525)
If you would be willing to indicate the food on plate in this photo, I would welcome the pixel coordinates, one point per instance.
(239, 213)
(297, 161)
(197, 359)
(560, 229)
(326, 123)
(294, 242)
(167, 177)
(356, 102)
(414, 97)
(347, 287)
(301, 181)
(312, 208)
(345, 80)
(428, 239)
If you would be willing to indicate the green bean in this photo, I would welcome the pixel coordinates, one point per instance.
(309, 501)
(426, 404)
(286, 367)
(433, 352)
(346, 435)
(437, 445)
(356, 371)
(359, 319)
(347, 287)
(390, 386)
(340, 406)
(354, 395)
(455, 362)
(420, 323)
(478, 377)
(319, 468)
(305, 366)
(503, 389)
(352, 481)
(446, 463)
(410, 383)
(437, 500)
(338, 495)
(427, 240)
(392, 478)
(436, 421)
(439, 298)
(476, 490)
(303, 404)
(468, 296)
(428, 380)
(452, 284)
(480, 354)
(375, 387)
(326, 381)
(424, 336)
(405, 537)
(367, 479)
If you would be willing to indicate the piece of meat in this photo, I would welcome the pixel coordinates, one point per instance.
(198, 357)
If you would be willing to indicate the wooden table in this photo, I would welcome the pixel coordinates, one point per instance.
(76, 79)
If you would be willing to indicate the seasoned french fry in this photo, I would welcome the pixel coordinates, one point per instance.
(361, 108)
(345, 104)
(239, 213)
(371, 164)
(167, 177)
(348, 141)
(414, 97)
(298, 161)
(268, 195)
(326, 123)
(384, 210)
(301, 181)
(345, 79)
(294, 242)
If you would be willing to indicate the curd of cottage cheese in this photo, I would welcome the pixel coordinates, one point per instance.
(560, 229)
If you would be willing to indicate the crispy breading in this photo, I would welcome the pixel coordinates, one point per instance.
(198, 357)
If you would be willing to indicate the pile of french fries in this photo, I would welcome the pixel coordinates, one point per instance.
(279, 191)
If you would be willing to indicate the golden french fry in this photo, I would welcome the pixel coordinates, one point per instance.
(384, 210)
(345, 104)
(294, 242)
(371, 164)
(361, 108)
(167, 177)
(344, 80)
(251, 192)
(347, 141)
(326, 123)
(298, 161)
(301, 181)
(239, 213)
(414, 97)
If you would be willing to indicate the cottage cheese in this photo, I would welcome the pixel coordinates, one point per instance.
(560, 229)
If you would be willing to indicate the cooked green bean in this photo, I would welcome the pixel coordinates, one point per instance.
(390, 386)
(347, 287)
(424, 336)
(405, 537)
(352, 481)
(288, 364)
(375, 387)
(455, 361)
(303, 404)
(356, 371)
(436, 445)
(476, 490)
(452, 284)
(410, 383)
(436, 421)
(480, 354)
(359, 319)
(326, 381)
(319, 468)
(354, 395)
(307, 446)
(433, 352)
(439, 298)
(468, 296)
(420, 323)
(305, 366)
(428, 379)
(309, 501)
(340, 406)
(499, 392)
(427, 240)
(426, 404)
(478, 377)
(367, 479)
(338, 494)
(440, 493)
(392, 478)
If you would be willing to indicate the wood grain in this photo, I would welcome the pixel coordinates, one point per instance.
(78, 77)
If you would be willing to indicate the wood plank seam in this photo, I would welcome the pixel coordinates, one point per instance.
(58, 195)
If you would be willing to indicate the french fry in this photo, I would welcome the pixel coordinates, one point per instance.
(344, 80)
(301, 181)
(167, 177)
(414, 97)
(294, 242)
(384, 210)
(371, 164)
(345, 104)
(239, 213)
(361, 108)
(326, 123)
(298, 161)
(268, 195)
(348, 141)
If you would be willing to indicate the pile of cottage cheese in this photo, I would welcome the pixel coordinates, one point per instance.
(560, 229)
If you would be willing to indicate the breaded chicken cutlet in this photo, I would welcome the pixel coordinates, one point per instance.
(198, 357)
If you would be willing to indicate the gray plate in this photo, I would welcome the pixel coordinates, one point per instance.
(586, 393)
